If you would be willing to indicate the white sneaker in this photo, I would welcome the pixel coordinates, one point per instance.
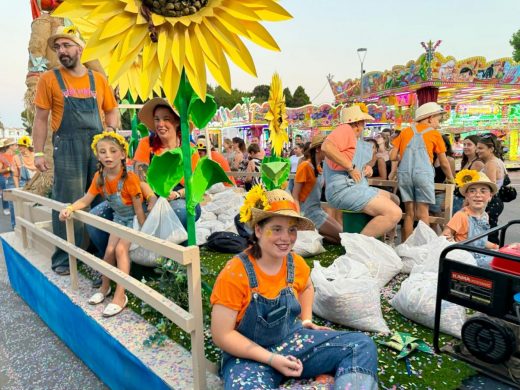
(7, 212)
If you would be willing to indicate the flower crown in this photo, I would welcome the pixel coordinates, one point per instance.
(255, 198)
(466, 176)
(363, 107)
(118, 138)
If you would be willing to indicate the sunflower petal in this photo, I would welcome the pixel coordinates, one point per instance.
(259, 35)
(241, 57)
(179, 47)
(196, 61)
(149, 52)
(170, 80)
(70, 10)
(272, 12)
(135, 37)
(117, 25)
(164, 46)
(237, 10)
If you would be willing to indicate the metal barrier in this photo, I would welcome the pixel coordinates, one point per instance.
(190, 321)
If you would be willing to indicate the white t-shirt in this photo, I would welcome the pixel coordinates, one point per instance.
(294, 159)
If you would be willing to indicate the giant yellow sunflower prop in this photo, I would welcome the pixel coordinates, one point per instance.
(277, 116)
(158, 39)
(466, 176)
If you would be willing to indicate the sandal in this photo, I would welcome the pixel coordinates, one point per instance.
(99, 297)
(112, 309)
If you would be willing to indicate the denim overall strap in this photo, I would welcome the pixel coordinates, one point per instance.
(478, 226)
(123, 214)
(74, 161)
(251, 274)
(363, 154)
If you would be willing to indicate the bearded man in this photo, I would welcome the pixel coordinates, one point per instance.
(76, 98)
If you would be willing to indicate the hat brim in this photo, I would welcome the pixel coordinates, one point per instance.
(490, 184)
(259, 215)
(362, 117)
(146, 112)
(424, 116)
(76, 40)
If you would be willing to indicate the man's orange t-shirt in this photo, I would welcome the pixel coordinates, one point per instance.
(345, 140)
(305, 175)
(432, 140)
(50, 97)
(232, 289)
(131, 187)
(223, 162)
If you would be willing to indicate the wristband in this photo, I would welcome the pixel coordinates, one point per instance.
(270, 360)
(306, 322)
(39, 154)
(69, 207)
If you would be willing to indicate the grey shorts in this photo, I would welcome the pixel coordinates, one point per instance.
(416, 188)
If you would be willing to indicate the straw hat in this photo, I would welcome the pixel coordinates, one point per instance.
(146, 113)
(281, 204)
(317, 140)
(354, 114)
(478, 178)
(9, 142)
(68, 32)
(427, 110)
(25, 141)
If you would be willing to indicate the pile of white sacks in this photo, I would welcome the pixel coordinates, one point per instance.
(348, 292)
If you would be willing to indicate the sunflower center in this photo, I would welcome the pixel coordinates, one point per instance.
(175, 8)
(467, 178)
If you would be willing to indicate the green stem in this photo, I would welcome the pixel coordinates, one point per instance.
(186, 152)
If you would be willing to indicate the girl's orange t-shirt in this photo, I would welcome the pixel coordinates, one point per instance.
(305, 175)
(232, 289)
(131, 187)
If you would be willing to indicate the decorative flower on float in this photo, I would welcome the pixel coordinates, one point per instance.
(158, 39)
(466, 176)
(277, 116)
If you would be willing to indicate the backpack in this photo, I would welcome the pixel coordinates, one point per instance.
(507, 193)
(226, 242)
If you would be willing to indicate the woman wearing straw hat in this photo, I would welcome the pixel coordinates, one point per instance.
(262, 309)
(25, 160)
(164, 122)
(346, 169)
(308, 184)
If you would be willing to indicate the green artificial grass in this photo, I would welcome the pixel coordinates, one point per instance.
(425, 371)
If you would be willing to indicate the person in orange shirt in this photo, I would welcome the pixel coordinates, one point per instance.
(76, 98)
(412, 163)
(262, 309)
(164, 122)
(25, 160)
(11, 171)
(122, 191)
(308, 184)
(346, 170)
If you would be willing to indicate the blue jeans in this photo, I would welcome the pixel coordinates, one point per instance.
(5, 205)
(179, 206)
(350, 356)
(9, 183)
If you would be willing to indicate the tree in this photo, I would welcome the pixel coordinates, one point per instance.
(288, 97)
(224, 99)
(300, 98)
(261, 93)
(515, 42)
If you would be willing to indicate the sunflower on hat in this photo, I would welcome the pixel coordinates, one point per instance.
(257, 198)
(466, 176)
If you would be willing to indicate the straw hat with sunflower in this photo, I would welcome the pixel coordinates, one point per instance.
(260, 204)
(468, 177)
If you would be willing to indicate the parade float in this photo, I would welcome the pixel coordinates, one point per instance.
(479, 95)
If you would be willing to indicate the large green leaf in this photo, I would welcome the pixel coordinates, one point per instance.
(165, 172)
(201, 112)
(275, 171)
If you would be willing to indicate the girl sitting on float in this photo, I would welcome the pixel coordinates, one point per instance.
(308, 185)
(123, 192)
(262, 309)
(473, 220)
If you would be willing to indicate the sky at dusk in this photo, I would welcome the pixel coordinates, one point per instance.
(321, 39)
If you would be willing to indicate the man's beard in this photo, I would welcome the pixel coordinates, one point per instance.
(68, 62)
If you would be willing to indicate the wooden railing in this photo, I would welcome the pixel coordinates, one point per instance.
(190, 321)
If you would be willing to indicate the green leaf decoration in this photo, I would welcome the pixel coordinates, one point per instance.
(275, 171)
(165, 172)
(405, 343)
(207, 172)
(201, 112)
(143, 130)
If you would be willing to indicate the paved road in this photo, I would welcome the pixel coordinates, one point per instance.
(31, 356)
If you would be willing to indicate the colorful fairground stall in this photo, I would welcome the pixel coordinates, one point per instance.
(479, 95)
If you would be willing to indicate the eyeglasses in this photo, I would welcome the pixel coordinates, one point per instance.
(487, 136)
(65, 46)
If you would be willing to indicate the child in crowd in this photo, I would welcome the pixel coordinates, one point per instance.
(123, 192)
(473, 220)
(262, 309)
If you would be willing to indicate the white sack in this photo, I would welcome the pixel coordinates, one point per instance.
(416, 301)
(346, 294)
(309, 243)
(415, 250)
(380, 259)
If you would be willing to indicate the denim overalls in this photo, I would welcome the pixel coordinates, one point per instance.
(74, 161)
(25, 174)
(351, 356)
(416, 173)
(311, 207)
(478, 226)
(9, 183)
(123, 214)
(341, 191)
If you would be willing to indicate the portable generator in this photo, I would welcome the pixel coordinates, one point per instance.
(491, 337)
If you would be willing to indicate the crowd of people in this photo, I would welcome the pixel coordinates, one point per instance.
(262, 319)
